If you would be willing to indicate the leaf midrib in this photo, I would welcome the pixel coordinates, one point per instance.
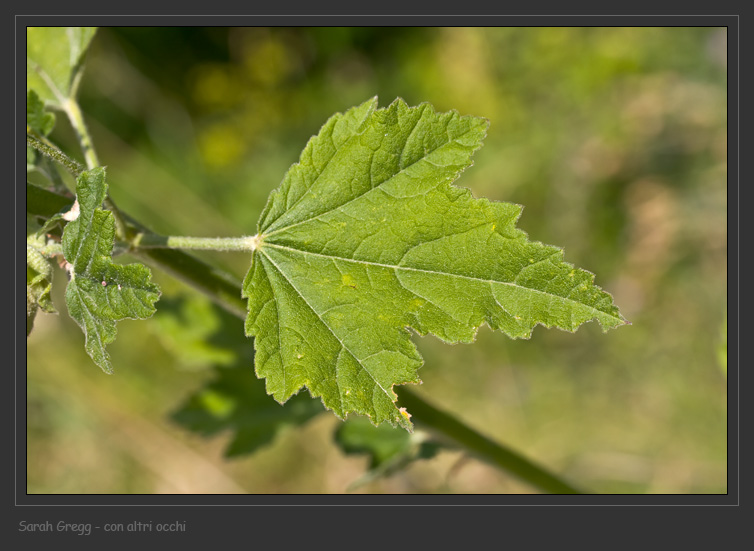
(433, 272)
(99, 342)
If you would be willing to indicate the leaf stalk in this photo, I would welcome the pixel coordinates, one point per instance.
(154, 241)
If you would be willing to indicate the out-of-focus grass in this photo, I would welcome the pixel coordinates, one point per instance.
(614, 139)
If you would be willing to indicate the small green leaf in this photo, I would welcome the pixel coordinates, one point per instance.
(38, 275)
(197, 332)
(37, 119)
(358, 435)
(367, 237)
(389, 450)
(101, 292)
(236, 400)
(53, 59)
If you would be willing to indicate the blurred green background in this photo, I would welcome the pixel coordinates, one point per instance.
(614, 140)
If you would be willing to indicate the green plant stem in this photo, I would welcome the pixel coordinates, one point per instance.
(151, 241)
(226, 292)
(50, 170)
(72, 109)
(217, 286)
(426, 415)
(221, 288)
(55, 154)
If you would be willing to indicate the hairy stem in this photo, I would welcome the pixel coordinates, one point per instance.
(55, 154)
(226, 292)
(221, 288)
(153, 241)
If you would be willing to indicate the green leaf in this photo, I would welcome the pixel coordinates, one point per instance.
(197, 332)
(366, 238)
(389, 450)
(37, 119)
(38, 275)
(236, 400)
(101, 292)
(54, 58)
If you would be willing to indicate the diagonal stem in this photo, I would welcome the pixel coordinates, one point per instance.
(446, 425)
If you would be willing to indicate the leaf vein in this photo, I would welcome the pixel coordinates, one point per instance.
(373, 188)
(433, 272)
(387, 393)
(277, 327)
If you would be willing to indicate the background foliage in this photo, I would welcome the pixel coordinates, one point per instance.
(614, 139)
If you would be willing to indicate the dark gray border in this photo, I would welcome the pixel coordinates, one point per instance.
(210, 514)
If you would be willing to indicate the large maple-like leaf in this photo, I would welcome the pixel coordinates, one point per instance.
(367, 237)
